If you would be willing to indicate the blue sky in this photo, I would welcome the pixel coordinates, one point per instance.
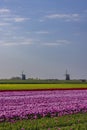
(43, 38)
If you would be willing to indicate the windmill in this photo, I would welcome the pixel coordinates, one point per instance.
(23, 76)
(67, 76)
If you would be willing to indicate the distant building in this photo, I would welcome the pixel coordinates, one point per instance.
(67, 76)
(16, 78)
(23, 76)
(83, 80)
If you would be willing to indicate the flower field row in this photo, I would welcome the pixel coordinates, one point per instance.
(36, 104)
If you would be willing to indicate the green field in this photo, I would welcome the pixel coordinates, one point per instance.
(68, 122)
(42, 81)
(40, 86)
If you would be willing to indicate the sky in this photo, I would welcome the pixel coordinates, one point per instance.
(43, 38)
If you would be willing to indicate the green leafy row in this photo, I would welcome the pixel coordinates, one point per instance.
(67, 122)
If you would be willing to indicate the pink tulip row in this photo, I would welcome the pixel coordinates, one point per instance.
(35, 104)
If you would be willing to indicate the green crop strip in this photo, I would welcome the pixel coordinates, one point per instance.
(40, 86)
(67, 122)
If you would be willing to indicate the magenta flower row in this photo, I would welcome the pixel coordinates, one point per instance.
(35, 104)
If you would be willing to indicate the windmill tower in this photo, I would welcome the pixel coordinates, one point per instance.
(23, 76)
(67, 76)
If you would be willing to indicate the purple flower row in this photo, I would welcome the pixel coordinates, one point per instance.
(33, 104)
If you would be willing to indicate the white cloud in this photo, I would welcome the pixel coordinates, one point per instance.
(27, 41)
(41, 20)
(4, 11)
(8, 17)
(50, 44)
(20, 19)
(9, 44)
(67, 17)
(13, 18)
(42, 32)
(57, 43)
(3, 24)
(17, 42)
(63, 42)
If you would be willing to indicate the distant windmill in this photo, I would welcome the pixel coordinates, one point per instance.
(23, 76)
(67, 76)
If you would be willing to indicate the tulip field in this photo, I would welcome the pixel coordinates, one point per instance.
(43, 110)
